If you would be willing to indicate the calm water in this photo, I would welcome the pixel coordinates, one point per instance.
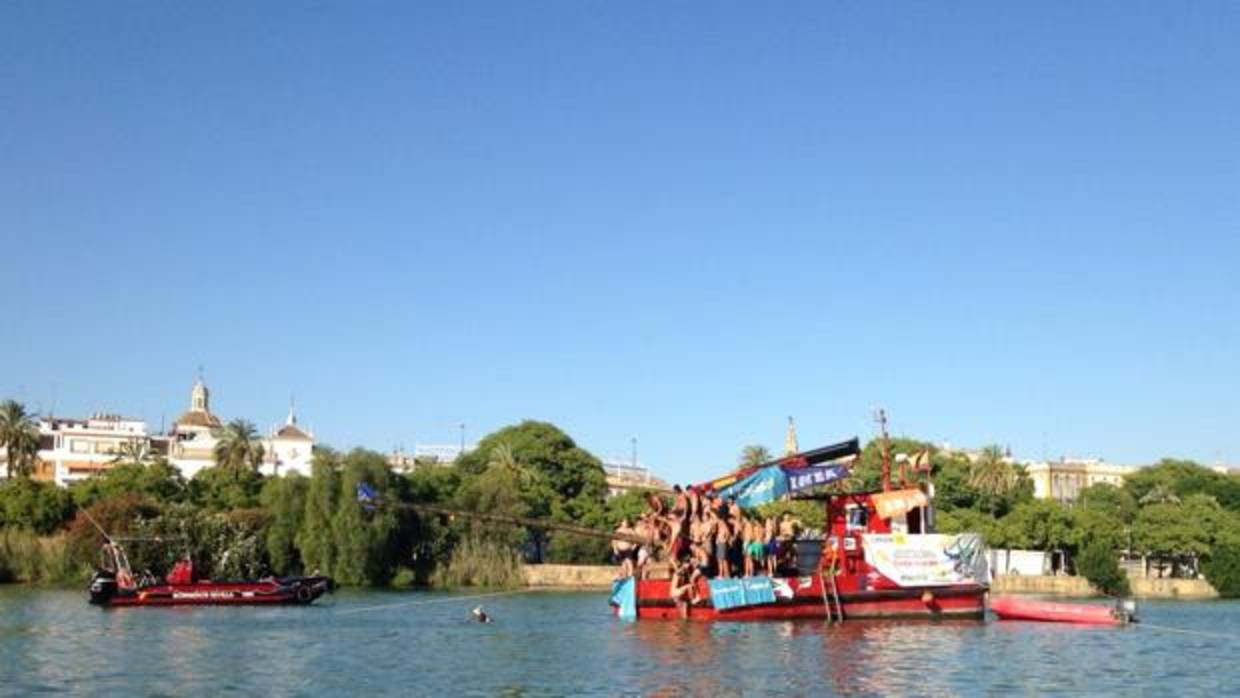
(380, 643)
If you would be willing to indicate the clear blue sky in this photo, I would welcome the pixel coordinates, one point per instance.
(1012, 224)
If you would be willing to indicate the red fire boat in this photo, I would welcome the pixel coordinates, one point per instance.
(114, 584)
(877, 558)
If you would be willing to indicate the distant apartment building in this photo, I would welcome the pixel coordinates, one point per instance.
(75, 449)
(624, 475)
(442, 454)
(1063, 480)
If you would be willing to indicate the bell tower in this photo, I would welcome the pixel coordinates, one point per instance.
(790, 439)
(199, 396)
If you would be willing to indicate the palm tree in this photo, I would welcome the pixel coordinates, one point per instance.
(20, 438)
(238, 446)
(504, 460)
(754, 455)
(992, 473)
(1159, 494)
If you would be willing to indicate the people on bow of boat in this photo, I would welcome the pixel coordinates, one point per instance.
(705, 535)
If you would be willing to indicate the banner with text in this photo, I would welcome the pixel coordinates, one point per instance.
(812, 476)
(912, 560)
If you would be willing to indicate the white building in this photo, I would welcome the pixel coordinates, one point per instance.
(442, 454)
(191, 447)
(625, 474)
(288, 449)
(75, 449)
(191, 443)
(1063, 480)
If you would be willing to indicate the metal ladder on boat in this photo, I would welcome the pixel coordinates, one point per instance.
(831, 601)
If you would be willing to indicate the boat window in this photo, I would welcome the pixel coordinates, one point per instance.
(914, 519)
(858, 518)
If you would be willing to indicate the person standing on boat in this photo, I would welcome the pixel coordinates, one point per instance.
(770, 535)
(625, 550)
(723, 547)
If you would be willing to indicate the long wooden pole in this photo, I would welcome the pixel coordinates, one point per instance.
(533, 523)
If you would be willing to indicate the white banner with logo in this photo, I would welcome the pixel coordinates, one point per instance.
(913, 560)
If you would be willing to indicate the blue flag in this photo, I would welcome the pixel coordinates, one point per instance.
(766, 485)
(366, 495)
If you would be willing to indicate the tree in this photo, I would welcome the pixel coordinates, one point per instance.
(223, 487)
(20, 438)
(1179, 479)
(1040, 524)
(238, 446)
(159, 480)
(754, 455)
(1097, 563)
(367, 541)
(39, 506)
(1165, 531)
(314, 538)
(1160, 494)
(568, 483)
(284, 499)
(1223, 570)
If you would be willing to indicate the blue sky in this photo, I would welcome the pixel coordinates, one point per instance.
(678, 222)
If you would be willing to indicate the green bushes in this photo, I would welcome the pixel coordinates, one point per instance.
(26, 557)
(482, 563)
(39, 506)
(1222, 570)
(1098, 564)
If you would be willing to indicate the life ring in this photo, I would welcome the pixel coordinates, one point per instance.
(304, 594)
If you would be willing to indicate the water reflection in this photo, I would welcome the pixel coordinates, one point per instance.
(567, 644)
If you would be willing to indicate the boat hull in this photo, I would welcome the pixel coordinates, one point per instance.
(807, 602)
(1012, 608)
(291, 590)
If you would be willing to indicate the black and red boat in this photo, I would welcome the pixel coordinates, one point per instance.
(114, 584)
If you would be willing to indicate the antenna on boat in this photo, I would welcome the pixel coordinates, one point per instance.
(94, 523)
(884, 447)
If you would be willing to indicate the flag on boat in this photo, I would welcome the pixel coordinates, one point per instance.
(765, 485)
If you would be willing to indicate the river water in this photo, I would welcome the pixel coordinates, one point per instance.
(566, 643)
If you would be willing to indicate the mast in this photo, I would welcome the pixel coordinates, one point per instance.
(884, 448)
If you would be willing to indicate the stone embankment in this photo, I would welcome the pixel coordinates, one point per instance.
(1142, 588)
(569, 576)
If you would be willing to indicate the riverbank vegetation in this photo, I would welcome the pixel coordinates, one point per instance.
(236, 523)
(1178, 516)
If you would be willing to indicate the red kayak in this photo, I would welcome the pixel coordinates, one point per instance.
(1015, 608)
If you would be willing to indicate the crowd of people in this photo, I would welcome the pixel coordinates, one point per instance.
(703, 535)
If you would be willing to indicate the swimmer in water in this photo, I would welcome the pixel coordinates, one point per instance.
(481, 615)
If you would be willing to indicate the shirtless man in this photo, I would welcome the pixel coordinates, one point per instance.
(681, 588)
(680, 505)
(770, 535)
(788, 528)
(625, 550)
(723, 545)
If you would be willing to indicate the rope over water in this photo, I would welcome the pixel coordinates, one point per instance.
(1184, 631)
(423, 602)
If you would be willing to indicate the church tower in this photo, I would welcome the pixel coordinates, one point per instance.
(790, 439)
(200, 397)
